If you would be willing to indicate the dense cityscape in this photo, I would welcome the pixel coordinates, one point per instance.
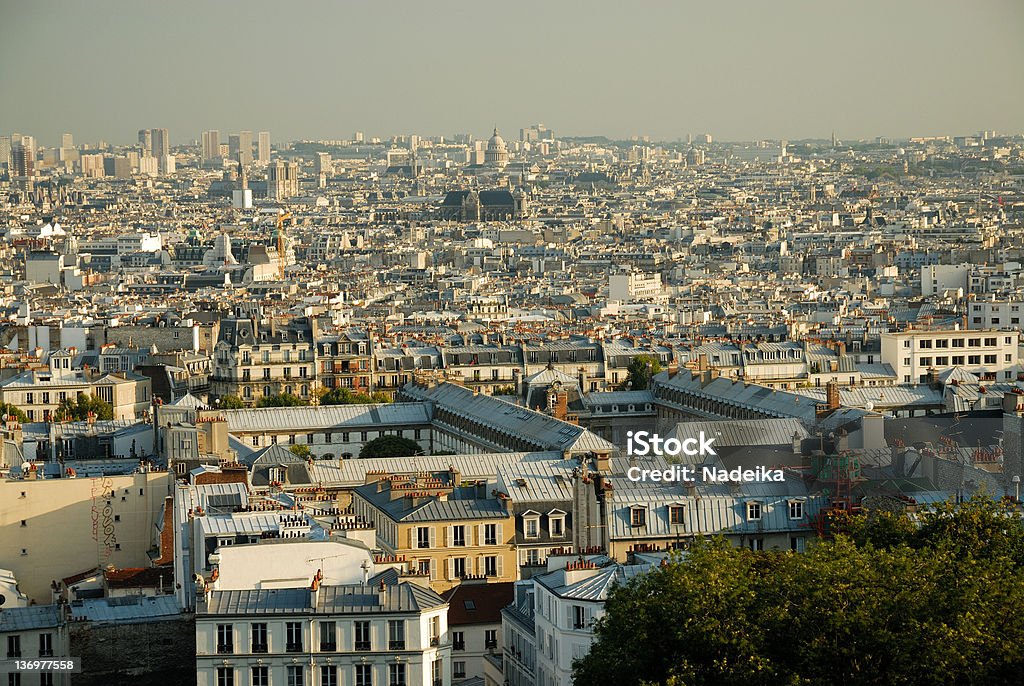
(361, 411)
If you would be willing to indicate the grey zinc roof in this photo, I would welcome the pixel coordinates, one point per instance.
(542, 430)
(128, 609)
(434, 509)
(744, 432)
(345, 599)
(29, 618)
(266, 419)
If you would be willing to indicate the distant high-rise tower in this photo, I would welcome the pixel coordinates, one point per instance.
(263, 147)
(211, 145)
(835, 143)
(5, 151)
(146, 140)
(358, 137)
(23, 157)
(161, 143)
(240, 147)
(67, 141)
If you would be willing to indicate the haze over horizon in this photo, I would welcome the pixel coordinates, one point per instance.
(738, 70)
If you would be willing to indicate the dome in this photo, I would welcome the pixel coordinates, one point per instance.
(495, 140)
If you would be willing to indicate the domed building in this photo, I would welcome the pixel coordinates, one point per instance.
(496, 154)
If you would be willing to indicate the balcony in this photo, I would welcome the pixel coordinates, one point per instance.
(434, 641)
(293, 648)
(225, 648)
(362, 645)
(396, 645)
(46, 653)
(13, 654)
(457, 645)
(491, 644)
(260, 647)
(328, 647)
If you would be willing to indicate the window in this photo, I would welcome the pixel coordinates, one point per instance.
(459, 535)
(14, 679)
(435, 630)
(458, 640)
(924, 343)
(459, 670)
(974, 359)
(958, 359)
(293, 637)
(942, 361)
(989, 342)
(491, 638)
(458, 567)
(437, 672)
(757, 543)
(296, 675)
(675, 514)
(45, 645)
(796, 509)
(579, 617)
(46, 679)
(14, 646)
(990, 359)
(491, 565)
(396, 634)
(637, 516)
(328, 640)
(973, 342)
(797, 544)
(533, 557)
(556, 526)
(225, 676)
(958, 342)
(225, 639)
(328, 675)
(926, 362)
(364, 675)
(531, 527)
(362, 632)
(258, 637)
(490, 534)
(754, 511)
(942, 343)
(396, 674)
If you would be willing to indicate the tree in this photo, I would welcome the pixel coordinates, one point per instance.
(231, 402)
(12, 411)
(882, 603)
(281, 400)
(639, 372)
(300, 450)
(345, 396)
(390, 446)
(78, 408)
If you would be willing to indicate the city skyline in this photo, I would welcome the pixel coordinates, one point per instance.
(805, 71)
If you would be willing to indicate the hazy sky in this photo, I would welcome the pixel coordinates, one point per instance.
(739, 69)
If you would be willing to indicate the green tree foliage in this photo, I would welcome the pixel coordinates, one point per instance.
(10, 410)
(345, 396)
(888, 601)
(280, 400)
(639, 372)
(78, 408)
(231, 402)
(390, 446)
(300, 450)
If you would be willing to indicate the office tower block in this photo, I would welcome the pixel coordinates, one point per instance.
(358, 137)
(240, 147)
(322, 163)
(67, 141)
(146, 139)
(161, 143)
(23, 157)
(211, 145)
(5, 151)
(263, 147)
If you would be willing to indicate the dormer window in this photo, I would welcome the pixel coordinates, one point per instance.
(637, 516)
(556, 524)
(796, 509)
(753, 511)
(531, 524)
(676, 514)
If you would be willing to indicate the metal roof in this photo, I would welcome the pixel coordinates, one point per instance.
(344, 599)
(29, 618)
(744, 432)
(299, 419)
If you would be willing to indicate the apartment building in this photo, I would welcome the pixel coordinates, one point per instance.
(254, 359)
(444, 530)
(32, 633)
(995, 314)
(369, 634)
(344, 361)
(914, 355)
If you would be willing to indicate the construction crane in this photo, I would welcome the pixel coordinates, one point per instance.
(280, 243)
